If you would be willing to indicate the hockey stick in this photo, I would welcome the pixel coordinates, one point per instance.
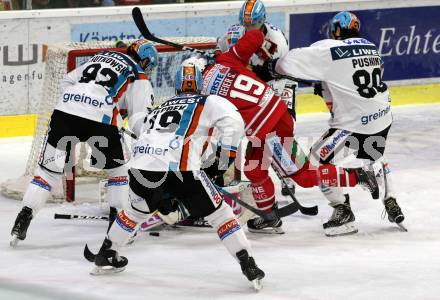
(83, 217)
(309, 211)
(212, 188)
(140, 24)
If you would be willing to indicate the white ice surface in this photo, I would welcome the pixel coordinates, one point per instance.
(380, 262)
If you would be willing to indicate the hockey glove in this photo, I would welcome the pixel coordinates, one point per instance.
(317, 89)
(266, 72)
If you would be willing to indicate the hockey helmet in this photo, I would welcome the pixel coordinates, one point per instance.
(348, 24)
(199, 62)
(252, 13)
(145, 53)
(188, 79)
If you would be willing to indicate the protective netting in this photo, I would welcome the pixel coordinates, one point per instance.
(61, 58)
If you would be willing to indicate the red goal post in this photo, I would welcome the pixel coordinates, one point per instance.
(62, 58)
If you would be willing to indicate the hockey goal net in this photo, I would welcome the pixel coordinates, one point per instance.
(62, 58)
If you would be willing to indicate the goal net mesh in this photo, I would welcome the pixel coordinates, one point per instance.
(62, 58)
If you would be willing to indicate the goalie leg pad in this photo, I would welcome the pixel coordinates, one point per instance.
(229, 230)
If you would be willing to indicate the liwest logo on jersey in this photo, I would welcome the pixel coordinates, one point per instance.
(349, 51)
(82, 99)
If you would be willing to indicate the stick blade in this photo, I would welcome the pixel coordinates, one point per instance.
(89, 255)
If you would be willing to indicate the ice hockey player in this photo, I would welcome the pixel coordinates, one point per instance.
(167, 159)
(350, 69)
(95, 97)
(270, 129)
(253, 16)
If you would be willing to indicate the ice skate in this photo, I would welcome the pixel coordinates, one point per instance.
(342, 221)
(250, 269)
(394, 212)
(21, 225)
(108, 261)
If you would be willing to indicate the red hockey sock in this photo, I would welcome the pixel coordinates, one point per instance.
(264, 194)
(330, 175)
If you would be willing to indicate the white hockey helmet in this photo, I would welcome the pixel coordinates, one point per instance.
(199, 62)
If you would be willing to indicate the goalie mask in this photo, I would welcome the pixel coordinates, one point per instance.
(188, 80)
(144, 53)
(344, 25)
(252, 14)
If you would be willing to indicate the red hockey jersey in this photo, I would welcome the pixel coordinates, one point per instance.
(230, 78)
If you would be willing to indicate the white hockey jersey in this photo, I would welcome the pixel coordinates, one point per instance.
(351, 73)
(174, 136)
(106, 89)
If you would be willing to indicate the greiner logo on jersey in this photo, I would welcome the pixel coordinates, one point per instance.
(82, 99)
(150, 150)
(372, 117)
(342, 52)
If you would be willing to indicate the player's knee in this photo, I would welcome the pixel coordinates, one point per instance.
(306, 177)
(221, 215)
(256, 175)
(121, 171)
(52, 179)
(137, 206)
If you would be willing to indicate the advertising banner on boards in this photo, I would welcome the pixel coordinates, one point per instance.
(407, 38)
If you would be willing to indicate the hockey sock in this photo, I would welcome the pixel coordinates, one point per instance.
(229, 230)
(327, 175)
(39, 189)
(264, 194)
(117, 187)
(334, 195)
(123, 228)
(332, 176)
(389, 189)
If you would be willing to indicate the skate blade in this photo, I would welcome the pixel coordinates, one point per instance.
(98, 271)
(270, 230)
(14, 241)
(258, 284)
(346, 229)
(403, 228)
